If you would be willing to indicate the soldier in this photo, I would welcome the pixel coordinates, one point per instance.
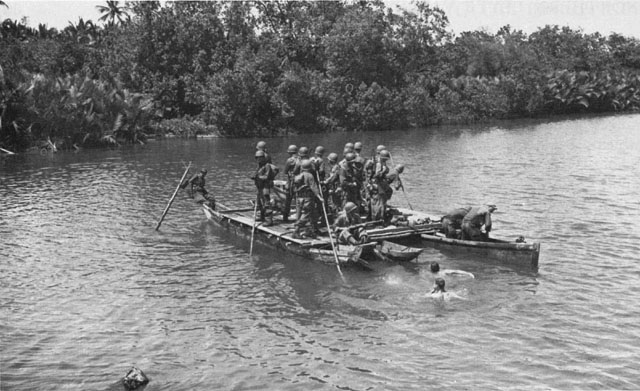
(349, 181)
(370, 165)
(307, 192)
(379, 187)
(198, 191)
(349, 146)
(263, 178)
(334, 199)
(289, 166)
(318, 162)
(452, 222)
(303, 154)
(393, 179)
(262, 146)
(358, 166)
(474, 220)
(346, 228)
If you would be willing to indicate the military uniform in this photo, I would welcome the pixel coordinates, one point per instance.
(334, 191)
(452, 222)
(474, 220)
(289, 167)
(263, 179)
(306, 194)
(349, 185)
(379, 191)
(354, 235)
(198, 191)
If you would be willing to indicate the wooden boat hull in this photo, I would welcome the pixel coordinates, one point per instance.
(390, 251)
(517, 254)
(316, 250)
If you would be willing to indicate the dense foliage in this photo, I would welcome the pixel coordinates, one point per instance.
(277, 67)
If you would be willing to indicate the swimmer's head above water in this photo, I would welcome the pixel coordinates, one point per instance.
(435, 267)
(439, 287)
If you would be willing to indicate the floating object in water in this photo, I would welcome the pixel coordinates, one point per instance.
(134, 379)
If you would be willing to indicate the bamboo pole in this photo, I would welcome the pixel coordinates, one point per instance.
(173, 197)
(326, 219)
(253, 228)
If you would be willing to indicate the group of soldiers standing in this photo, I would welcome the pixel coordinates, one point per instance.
(340, 190)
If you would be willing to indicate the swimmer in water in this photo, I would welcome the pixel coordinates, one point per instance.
(435, 269)
(439, 292)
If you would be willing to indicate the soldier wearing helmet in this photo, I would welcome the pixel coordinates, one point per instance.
(349, 182)
(333, 193)
(345, 226)
(289, 167)
(318, 162)
(393, 179)
(379, 188)
(307, 193)
(198, 191)
(303, 154)
(472, 223)
(263, 179)
(262, 146)
(349, 146)
(370, 165)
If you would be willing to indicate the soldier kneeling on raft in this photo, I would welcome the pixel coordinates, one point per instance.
(349, 226)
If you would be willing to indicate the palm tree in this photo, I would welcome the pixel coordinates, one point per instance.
(113, 11)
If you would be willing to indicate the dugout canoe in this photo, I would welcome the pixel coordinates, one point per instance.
(512, 253)
(390, 252)
(279, 236)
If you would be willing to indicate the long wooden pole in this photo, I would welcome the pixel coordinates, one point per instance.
(253, 228)
(326, 219)
(401, 184)
(173, 197)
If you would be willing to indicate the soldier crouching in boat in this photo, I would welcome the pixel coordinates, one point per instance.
(349, 226)
(263, 178)
(198, 191)
(452, 222)
(473, 221)
(307, 192)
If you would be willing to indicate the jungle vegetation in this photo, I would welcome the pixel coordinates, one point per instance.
(279, 67)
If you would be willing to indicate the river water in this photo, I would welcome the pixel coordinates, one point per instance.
(89, 288)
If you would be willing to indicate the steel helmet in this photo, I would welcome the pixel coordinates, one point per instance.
(261, 145)
(319, 150)
(303, 151)
(380, 148)
(292, 149)
(357, 146)
(350, 207)
(384, 154)
(348, 146)
(260, 153)
(399, 168)
(350, 156)
(306, 165)
(333, 157)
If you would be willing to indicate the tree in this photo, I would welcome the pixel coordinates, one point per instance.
(112, 12)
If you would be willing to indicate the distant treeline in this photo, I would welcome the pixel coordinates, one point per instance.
(277, 67)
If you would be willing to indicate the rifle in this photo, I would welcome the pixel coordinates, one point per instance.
(361, 225)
